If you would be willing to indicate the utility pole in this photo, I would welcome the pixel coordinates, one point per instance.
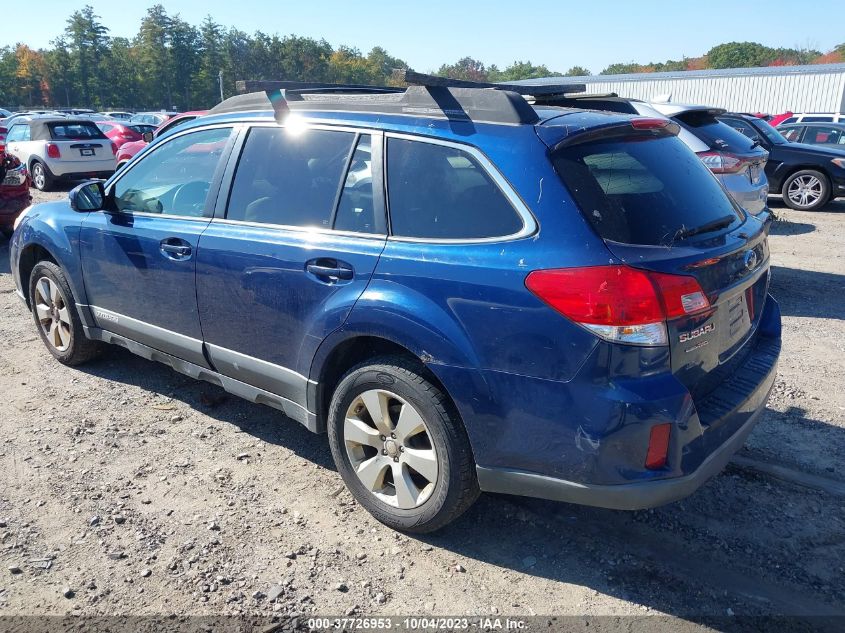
(220, 81)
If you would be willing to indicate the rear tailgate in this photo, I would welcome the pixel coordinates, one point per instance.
(733, 272)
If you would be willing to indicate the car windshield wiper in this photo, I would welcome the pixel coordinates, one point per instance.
(709, 227)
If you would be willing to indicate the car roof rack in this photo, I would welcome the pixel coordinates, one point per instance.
(428, 95)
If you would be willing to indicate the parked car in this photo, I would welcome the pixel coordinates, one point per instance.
(4, 113)
(812, 117)
(61, 149)
(738, 164)
(777, 119)
(807, 176)
(152, 118)
(128, 150)
(526, 300)
(118, 114)
(14, 191)
(122, 133)
(830, 135)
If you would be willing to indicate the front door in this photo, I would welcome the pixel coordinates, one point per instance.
(302, 233)
(139, 256)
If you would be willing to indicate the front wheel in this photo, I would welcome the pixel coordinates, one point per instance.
(41, 177)
(806, 190)
(399, 446)
(56, 317)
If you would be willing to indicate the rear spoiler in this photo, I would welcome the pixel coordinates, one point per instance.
(637, 128)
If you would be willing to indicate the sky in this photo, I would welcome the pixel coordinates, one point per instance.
(427, 34)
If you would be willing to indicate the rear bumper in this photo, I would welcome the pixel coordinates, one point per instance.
(79, 170)
(632, 496)
(10, 208)
(589, 446)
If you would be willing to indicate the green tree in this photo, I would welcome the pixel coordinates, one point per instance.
(739, 55)
(59, 67)
(466, 68)
(153, 53)
(211, 62)
(520, 70)
(577, 71)
(87, 41)
(621, 69)
(184, 42)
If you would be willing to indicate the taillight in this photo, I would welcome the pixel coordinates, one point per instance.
(53, 150)
(619, 303)
(722, 162)
(658, 446)
(114, 148)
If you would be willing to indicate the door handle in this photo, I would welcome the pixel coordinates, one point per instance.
(332, 272)
(175, 249)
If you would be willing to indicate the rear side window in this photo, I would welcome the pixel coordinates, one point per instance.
(817, 119)
(19, 133)
(791, 133)
(75, 132)
(642, 192)
(441, 192)
(290, 178)
(717, 135)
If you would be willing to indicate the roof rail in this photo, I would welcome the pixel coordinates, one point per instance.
(428, 95)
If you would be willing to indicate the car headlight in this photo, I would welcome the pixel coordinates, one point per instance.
(22, 215)
(839, 162)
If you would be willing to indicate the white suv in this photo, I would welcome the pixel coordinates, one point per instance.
(61, 149)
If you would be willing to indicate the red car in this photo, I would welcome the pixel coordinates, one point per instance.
(128, 150)
(777, 119)
(121, 132)
(14, 191)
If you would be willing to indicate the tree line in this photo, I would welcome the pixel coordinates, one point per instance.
(173, 64)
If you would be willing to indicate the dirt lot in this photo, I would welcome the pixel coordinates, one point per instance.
(126, 488)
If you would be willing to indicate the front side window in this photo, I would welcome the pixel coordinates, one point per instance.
(441, 192)
(825, 135)
(175, 177)
(291, 177)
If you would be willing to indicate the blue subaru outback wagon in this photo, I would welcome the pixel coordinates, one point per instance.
(467, 289)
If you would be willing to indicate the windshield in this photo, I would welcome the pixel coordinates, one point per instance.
(651, 192)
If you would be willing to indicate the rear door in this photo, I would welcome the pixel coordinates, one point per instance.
(290, 250)
(139, 258)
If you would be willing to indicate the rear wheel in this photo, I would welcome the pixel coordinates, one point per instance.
(806, 190)
(42, 179)
(400, 448)
(56, 318)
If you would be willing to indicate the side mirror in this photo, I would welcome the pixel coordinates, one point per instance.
(89, 196)
(148, 137)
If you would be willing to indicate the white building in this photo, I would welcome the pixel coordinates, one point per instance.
(817, 88)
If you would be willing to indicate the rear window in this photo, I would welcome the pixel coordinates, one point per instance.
(75, 131)
(717, 135)
(642, 192)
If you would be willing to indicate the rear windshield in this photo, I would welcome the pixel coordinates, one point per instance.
(75, 131)
(642, 192)
(717, 135)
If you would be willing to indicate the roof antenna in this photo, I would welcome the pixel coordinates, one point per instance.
(279, 103)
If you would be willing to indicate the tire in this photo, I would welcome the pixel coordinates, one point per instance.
(806, 190)
(56, 318)
(429, 435)
(42, 179)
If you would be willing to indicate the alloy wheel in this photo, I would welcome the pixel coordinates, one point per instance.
(805, 190)
(38, 176)
(53, 315)
(390, 449)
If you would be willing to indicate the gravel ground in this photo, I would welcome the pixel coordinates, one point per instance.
(129, 489)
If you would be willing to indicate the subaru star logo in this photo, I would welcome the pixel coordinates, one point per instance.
(750, 260)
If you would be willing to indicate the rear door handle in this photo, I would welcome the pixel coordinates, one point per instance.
(175, 248)
(332, 272)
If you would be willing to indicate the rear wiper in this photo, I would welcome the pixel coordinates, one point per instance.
(709, 227)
